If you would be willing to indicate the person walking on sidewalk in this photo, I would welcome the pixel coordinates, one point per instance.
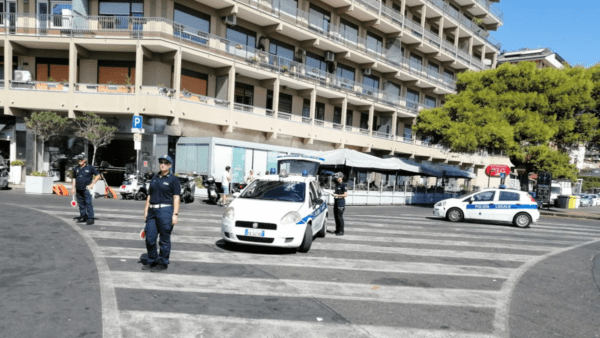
(340, 193)
(85, 177)
(161, 214)
(225, 179)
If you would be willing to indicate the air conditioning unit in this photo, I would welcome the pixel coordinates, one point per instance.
(366, 71)
(329, 56)
(230, 20)
(22, 76)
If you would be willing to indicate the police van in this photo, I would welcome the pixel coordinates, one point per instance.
(501, 205)
(286, 210)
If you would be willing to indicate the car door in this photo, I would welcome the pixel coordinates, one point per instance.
(508, 205)
(318, 214)
(480, 206)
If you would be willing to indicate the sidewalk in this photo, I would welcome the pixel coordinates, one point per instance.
(587, 212)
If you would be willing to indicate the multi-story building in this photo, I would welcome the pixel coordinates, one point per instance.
(317, 75)
(543, 57)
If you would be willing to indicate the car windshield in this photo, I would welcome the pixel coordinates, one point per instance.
(275, 191)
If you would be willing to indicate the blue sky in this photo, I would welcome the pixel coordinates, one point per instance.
(570, 28)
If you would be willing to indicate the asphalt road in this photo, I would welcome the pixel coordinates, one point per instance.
(398, 272)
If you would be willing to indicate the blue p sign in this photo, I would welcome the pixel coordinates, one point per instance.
(502, 175)
(137, 122)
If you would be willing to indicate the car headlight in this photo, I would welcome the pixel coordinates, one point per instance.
(291, 217)
(228, 214)
(440, 204)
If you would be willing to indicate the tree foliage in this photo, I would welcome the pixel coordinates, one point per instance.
(46, 125)
(93, 128)
(532, 114)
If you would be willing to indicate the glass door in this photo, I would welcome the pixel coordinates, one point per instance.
(42, 14)
(12, 16)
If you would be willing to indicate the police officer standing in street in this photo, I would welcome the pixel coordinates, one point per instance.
(84, 178)
(161, 214)
(340, 193)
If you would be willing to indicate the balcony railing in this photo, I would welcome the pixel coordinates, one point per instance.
(293, 117)
(253, 110)
(104, 88)
(40, 85)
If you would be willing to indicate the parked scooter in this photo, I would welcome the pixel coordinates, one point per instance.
(135, 187)
(211, 189)
(3, 174)
(188, 187)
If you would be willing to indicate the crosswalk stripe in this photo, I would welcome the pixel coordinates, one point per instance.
(341, 247)
(304, 289)
(319, 263)
(163, 324)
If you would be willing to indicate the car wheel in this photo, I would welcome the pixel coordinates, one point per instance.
(522, 220)
(140, 196)
(323, 230)
(454, 215)
(307, 242)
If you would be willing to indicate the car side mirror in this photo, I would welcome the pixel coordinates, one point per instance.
(471, 200)
(317, 201)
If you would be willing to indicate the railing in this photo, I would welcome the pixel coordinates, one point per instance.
(293, 117)
(104, 88)
(381, 135)
(157, 91)
(201, 99)
(40, 85)
(253, 110)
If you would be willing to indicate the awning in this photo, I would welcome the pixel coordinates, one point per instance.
(353, 158)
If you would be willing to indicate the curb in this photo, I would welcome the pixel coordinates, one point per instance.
(570, 216)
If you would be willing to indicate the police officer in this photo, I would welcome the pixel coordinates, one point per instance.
(340, 193)
(84, 178)
(161, 214)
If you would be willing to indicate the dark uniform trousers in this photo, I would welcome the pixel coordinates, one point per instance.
(338, 214)
(84, 200)
(159, 221)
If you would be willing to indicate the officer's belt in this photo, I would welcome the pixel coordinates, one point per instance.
(158, 206)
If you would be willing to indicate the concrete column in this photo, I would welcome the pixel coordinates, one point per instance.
(394, 125)
(402, 7)
(441, 28)
(8, 55)
(471, 45)
(176, 71)
(344, 113)
(495, 60)
(72, 66)
(231, 87)
(423, 16)
(483, 55)
(313, 105)
(456, 37)
(276, 97)
(371, 116)
(139, 69)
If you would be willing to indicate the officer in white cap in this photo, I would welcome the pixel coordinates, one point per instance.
(340, 193)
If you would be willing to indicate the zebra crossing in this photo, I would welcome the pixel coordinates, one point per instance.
(403, 275)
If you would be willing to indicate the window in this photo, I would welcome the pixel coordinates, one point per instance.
(316, 66)
(244, 94)
(242, 36)
(430, 101)
(306, 108)
(346, 74)
(289, 7)
(195, 25)
(285, 103)
(318, 19)
(283, 50)
(448, 75)
(407, 133)
(412, 99)
(58, 9)
(509, 196)
(486, 196)
(117, 13)
(116, 71)
(415, 61)
(364, 120)
(337, 115)
(349, 114)
(374, 43)
(395, 51)
(391, 91)
(194, 82)
(433, 70)
(370, 85)
(320, 111)
(348, 31)
(57, 69)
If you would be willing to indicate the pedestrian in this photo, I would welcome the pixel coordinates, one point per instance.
(340, 193)
(85, 177)
(267, 172)
(250, 178)
(161, 214)
(225, 179)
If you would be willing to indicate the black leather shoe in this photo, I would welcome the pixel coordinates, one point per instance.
(89, 221)
(148, 266)
(159, 268)
(81, 219)
(339, 233)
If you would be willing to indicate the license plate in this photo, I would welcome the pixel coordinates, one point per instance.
(252, 232)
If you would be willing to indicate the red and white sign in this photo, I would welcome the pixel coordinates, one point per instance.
(497, 169)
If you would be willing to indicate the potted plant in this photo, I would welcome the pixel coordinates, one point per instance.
(254, 59)
(65, 85)
(39, 183)
(16, 170)
(284, 68)
(186, 93)
(129, 84)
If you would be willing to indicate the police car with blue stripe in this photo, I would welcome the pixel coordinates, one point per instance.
(286, 210)
(502, 205)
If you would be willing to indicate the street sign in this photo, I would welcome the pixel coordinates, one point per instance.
(497, 169)
(137, 145)
(137, 121)
(502, 175)
(137, 137)
(137, 130)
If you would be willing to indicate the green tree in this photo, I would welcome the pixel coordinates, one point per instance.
(45, 125)
(532, 114)
(93, 129)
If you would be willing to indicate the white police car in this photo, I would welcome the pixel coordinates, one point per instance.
(285, 210)
(502, 205)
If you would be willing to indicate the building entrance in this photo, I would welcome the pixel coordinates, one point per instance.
(5, 150)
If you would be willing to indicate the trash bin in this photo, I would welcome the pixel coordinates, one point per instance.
(562, 201)
(577, 201)
(572, 201)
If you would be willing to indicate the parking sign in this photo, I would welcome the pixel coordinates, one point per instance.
(136, 122)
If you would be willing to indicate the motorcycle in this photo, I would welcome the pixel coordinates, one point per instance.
(211, 189)
(3, 174)
(188, 187)
(135, 187)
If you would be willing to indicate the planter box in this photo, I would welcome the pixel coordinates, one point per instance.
(38, 185)
(15, 174)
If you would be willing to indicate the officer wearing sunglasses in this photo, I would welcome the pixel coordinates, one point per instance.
(161, 214)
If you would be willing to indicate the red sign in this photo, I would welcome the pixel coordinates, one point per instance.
(145, 163)
(497, 169)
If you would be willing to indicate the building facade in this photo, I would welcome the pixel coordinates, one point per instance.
(316, 75)
(543, 57)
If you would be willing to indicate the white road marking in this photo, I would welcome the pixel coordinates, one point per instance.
(304, 289)
(319, 263)
(164, 324)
